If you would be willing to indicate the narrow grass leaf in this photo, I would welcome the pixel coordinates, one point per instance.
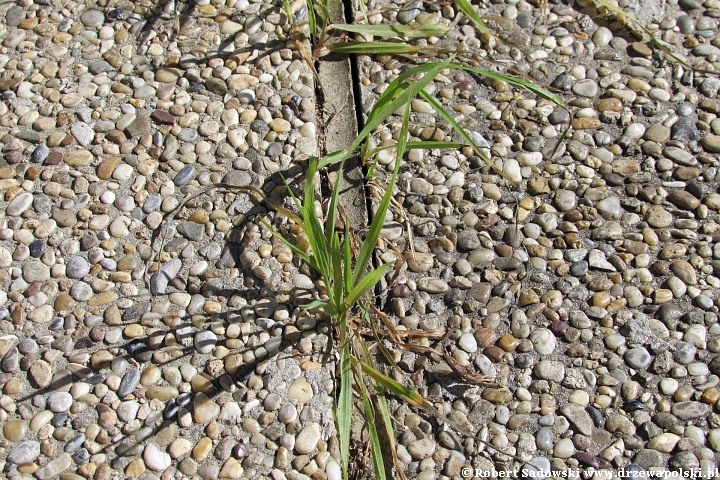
(347, 260)
(380, 345)
(424, 145)
(303, 256)
(372, 48)
(338, 282)
(344, 411)
(473, 16)
(395, 388)
(388, 103)
(392, 31)
(560, 141)
(367, 282)
(294, 198)
(332, 158)
(431, 144)
(313, 228)
(382, 406)
(395, 88)
(312, 21)
(379, 218)
(288, 10)
(327, 307)
(461, 131)
(324, 12)
(278, 207)
(383, 109)
(334, 199)
(334, 240)
(375, 445)
(516, 81)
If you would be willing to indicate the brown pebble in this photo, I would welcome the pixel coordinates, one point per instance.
(640, 49)
(710, 396)
(55, 158)
(162, 117)
(135, 468)
(12, 387)
(686, 173)
(494, 353)
(485, 337)
(585, 123)
(684, 200)
(608, 105)
(499, 396)
(27, 468)
(508, 343)
(116, 136)
(103, 472)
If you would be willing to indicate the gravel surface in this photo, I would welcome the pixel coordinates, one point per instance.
(586, 281)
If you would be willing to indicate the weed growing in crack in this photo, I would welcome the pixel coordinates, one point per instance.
(345, 272)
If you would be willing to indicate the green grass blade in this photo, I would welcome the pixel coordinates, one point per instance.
(425, 145)
(303, 256)
(396, 95)
(334, 240)
(347, 259)
(392, 31)
(313, 228)
(334, 199)
(324, 12)
(465, 7)
(325, 306)
(344, 410)
(431, 144)
(367, 282)
(560, 141)
(515, 81)
(396, 87)
(295, 200)
(332, 158)
(395, 388)
(338, 282)
(312, 21)
(375, 445)
(288, 12)
(461, 131)
(379, 218)
(372, 48)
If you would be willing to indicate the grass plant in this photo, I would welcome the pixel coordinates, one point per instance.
(348, 273)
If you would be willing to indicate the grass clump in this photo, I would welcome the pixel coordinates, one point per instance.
(350, 278)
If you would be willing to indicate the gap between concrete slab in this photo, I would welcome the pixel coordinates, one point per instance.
(341, 124)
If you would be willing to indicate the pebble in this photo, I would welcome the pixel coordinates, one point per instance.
(155, 459)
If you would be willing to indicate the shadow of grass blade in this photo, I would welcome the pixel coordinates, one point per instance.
(461, 131)
(392, 31)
